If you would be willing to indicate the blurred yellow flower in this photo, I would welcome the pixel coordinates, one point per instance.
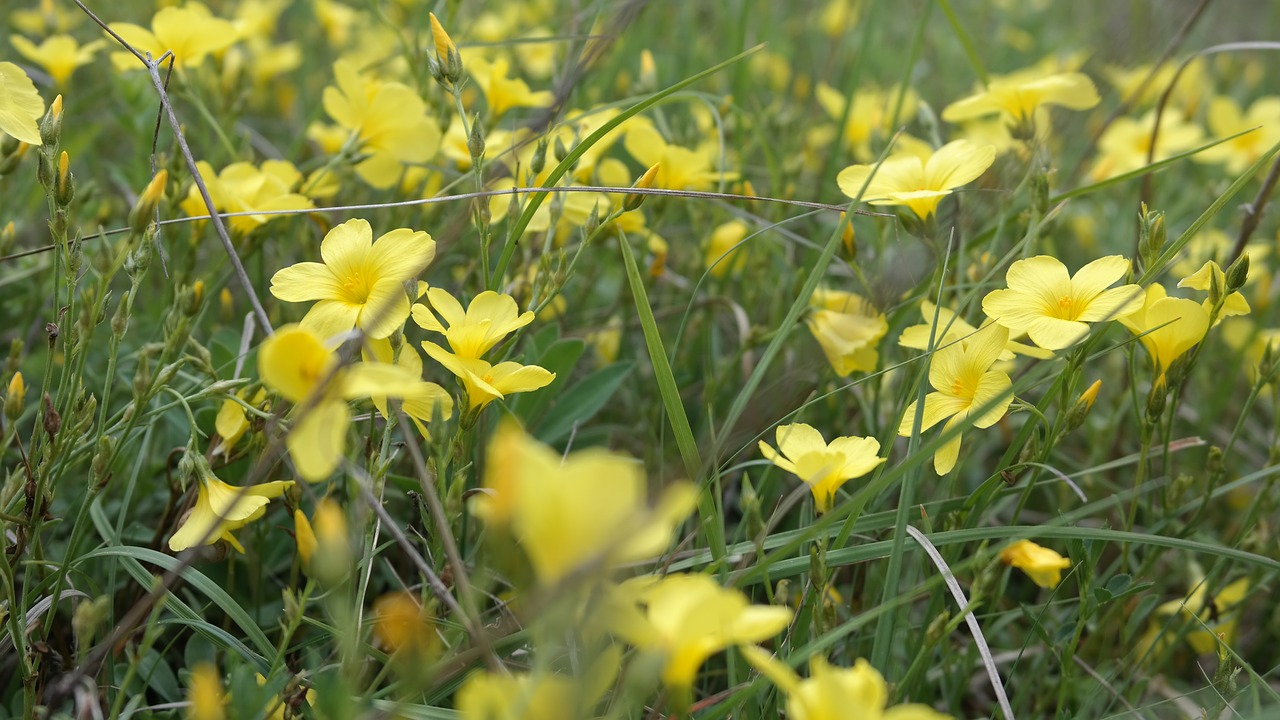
(420, 403)
(964, 386)
(824, 467)
(205, 694)
(1041, 564)
(471, 333)
(500, 91)
(679, 168)
(59, 55)
(241, 187)
(1017, 97)
(849, 329)
(722, 256)
(1210, 618)
(870, 114)
(190, 31)
(1054, 308)
(1227, 118)
(534, 696)
(360, 283)
(1167, 327)
(829, 693)
(401, 623)
(1125, 144)
(920, 184)
(20, 105)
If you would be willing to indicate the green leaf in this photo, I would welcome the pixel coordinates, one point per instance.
(560, 357)
(582, 401)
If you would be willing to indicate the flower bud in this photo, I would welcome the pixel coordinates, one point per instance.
(65, 187)
(8, 235)
(539, 157)
(51, 124)
(120, 319)
(145, 208)
(139, 258)
(634, 200)
(848, 239)
(1155, 401)
(443, 43)
(648, 79)
(14, 397)
(1082, 406)
(475, 141)
(1237, 273)
(100, 467)
(1151, 234)
(305, 537)
(52, 420)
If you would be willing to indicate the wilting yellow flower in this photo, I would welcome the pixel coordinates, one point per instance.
(870, 114)
(1167, 327)
(20, 105)
(1209, 275)
(205, 694)
(231, 422)
(830, 692)
(484, 382)
(1226, 118)
(849, 328)
(190, 31)
(503, 92)
(360, 283)
(1125, 144)
(401, 623)
(487, 320)
(679, 168)
(388, 119)
(1054, 308)
(966, 389)
(1210, 618)
(920, 184)
(1017, 98)
(952, 328)
(689, 618)
(824, 467)
(295, 363)
(1041, 564)
(723, 256)
(59, 55)
(241, 187)
(221, 509)
(569, 511)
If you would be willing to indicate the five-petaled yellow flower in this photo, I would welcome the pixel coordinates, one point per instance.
(824, 467)
(221, 509)
(1041, 564)
(919, 183)
(967, 390)
(1053, 307)
(1017, 97)
(485, 382)
(1167, 327)
(849, 329)
(471, 333)
(20, 105)
(59, 55)
(360, 283)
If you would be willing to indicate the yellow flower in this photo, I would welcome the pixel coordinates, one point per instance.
(484, 382)
(241, 187)
(829, 693)
(1167, 327)
(388, 119)
(503, 92)
(221, 509)
(1187, 93)
(566, 512)
(59, 55)
(360, 283)
(1054, 308)
(824, 467)
(849, 328)
(295, 363)
(723, 256)
(920, 184)
(231, 422)
(689, 618)
(1211, 618)
(869, 116)
(537, 696)
(401, 623)
(1017, 97)
(965, 386)
(205, 694)
(679, 168)
(20, 105)
(487, 320)
(1041, 564)
(1125, 144)
(1226, 118)
(419, 404)
(190, 31)
(275, 706)
(952, 328)
(1209, 275)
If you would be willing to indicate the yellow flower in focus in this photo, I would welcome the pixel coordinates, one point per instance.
(221, 509)
(849, 329)
(360, 283)
(20, 105)
(1167, 327)
(965, 389)
(1208, 276)
(1041, 564)
(205, 694)
(824, 467)
(484, 382)
(1017, 98)
(241, 187)
(443, 43)
(689, 618)
(920, 184)
(388, 119)
(679, 168)
(1054, 308)
(723, 256)
(1125, 144)
(503, 92)
(295, 363)
(566, 512)
(829, 693)
(1226, 118)
(59, 55)
(953, 328)
(471, 333)
(190, 31)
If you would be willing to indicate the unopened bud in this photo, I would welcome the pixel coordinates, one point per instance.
(52, 420)
(634, 200)
(1237, 273)
(648, 71)
(848, 239)
(305, 537)
(192, 299)
(15, 397)
(1155, 401)
(142, 378)
(475, 141)
(8, 236)
(100, 467)
(443, 43)
(51, 124)
(1082, 406)
(65, 187)
(145, 208)
(120, 319)
(539, 160)
(227, 304)
(1152, 234)
(937, 627)
(139, 258)
(561, 152)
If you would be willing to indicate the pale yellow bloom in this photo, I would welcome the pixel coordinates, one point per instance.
(849, 329)
(59, 55)
(824, 467)
(920, 184)
(1041, 564)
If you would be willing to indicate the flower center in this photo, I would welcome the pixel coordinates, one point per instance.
(356, 288)
(1066, 308)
